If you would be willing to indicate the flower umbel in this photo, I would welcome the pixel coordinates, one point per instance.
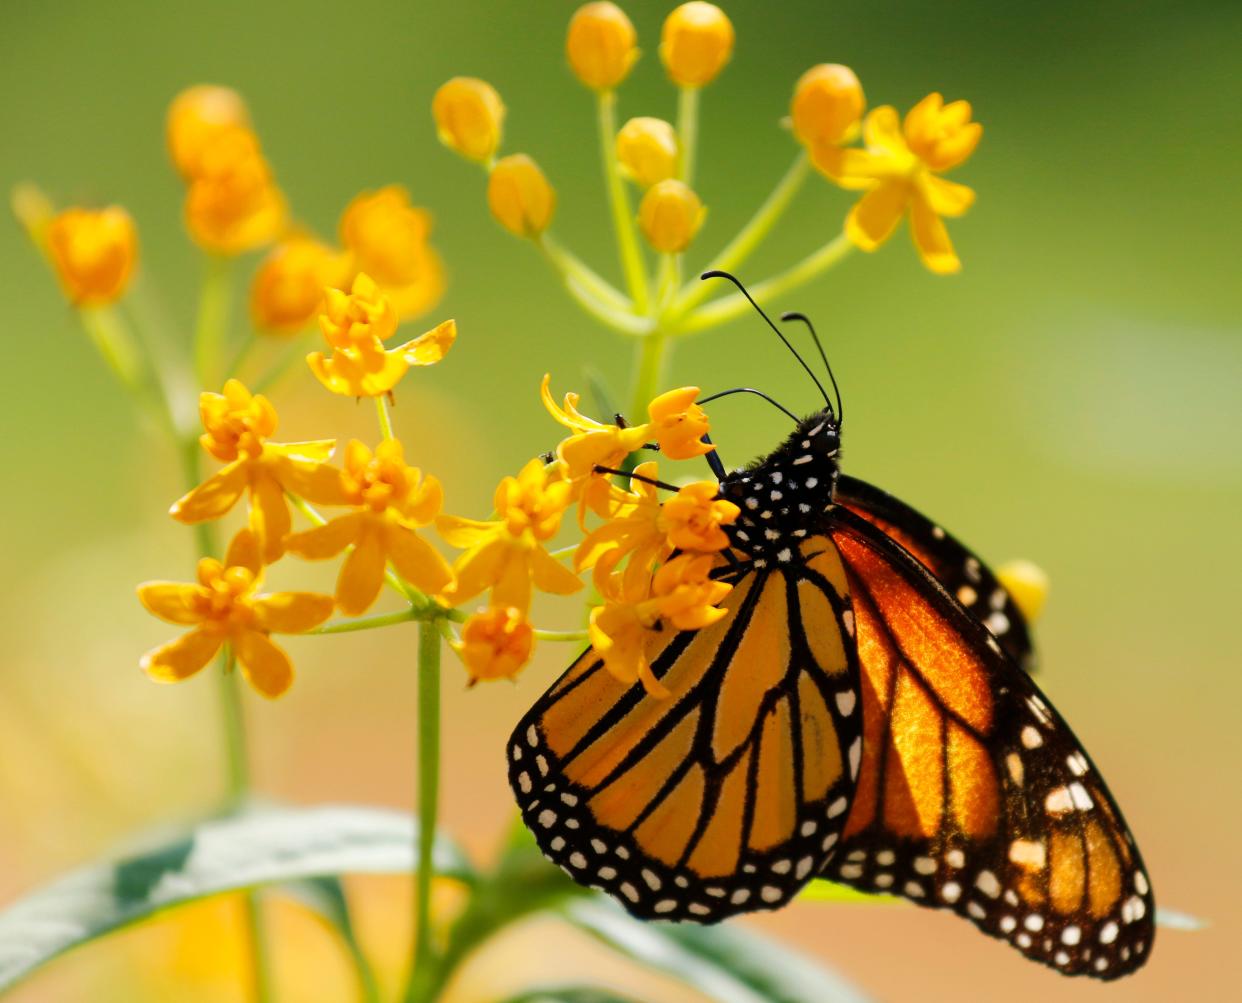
(225, 606)
(391, 501)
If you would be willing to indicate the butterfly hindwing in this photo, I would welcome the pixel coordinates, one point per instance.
(726, 796)
(959, 570)
(974, 795)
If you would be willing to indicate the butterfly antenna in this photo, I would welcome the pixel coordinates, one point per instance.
(795, 315)
(717, 274)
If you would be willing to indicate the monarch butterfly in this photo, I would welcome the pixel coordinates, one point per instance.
(861, 713)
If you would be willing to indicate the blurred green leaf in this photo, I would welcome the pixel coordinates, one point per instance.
(259, 846)
(829, 891)
(570, 994)
(730, 964)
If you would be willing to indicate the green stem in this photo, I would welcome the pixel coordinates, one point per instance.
(649, 370)
(369, 622)
(562, 635)
(619, 319)
(385, 418)
(619, 200)
(423, 971)
(728, 307)
(236, 745)
(213, 315)
(748, 237)
(116, 346)
(569, 264)
(687, 132)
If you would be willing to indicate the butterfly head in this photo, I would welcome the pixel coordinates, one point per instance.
(784, 494)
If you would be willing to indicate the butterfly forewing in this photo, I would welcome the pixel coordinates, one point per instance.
(729, 794)
(973, 793)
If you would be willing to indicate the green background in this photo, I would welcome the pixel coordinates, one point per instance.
(1073, 397)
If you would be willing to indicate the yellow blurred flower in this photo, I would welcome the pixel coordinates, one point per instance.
(391, 501)
(233, 204)
(390, 240)
(519, 196)
(827, 107)
(196, 117)
(1027, 583)
(696, 43)
(469, 117)
(647, 150)
(288, 287)
(678, 424)
(670, 215)
(495, 643)
(355, 325)
(900, 170)
(682, 593)
(507, 554)
(225, 606)
(93, 252)
(601, 45)
(238, 425)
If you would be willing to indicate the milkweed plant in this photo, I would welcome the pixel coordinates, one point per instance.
(396, 536)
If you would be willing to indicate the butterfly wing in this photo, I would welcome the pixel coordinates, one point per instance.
(959, 570)
(973, 793)
(728, 795)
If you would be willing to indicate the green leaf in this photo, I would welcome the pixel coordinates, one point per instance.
(731, 964)
(820, 890)
(570, 994)
(326, 896)
(259, 846)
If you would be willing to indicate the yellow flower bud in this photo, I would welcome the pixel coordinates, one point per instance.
(196, 116)
(495, 643)
(670, 215)
(469, 115)
(647, 150)
(289, 285)
(233, 204)
(519, 196)
(1027, 583)
(601, 45)
(696, 43)
(827, 105)
(93, 252)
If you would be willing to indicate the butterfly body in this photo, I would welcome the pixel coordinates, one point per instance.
(861, 713)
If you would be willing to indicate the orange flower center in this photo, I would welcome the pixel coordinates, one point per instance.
(224, 598)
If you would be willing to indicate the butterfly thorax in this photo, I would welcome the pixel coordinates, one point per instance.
(784, 494)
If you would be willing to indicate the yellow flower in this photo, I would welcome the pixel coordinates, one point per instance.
(507, 554)
(694, 516)
(682, 592)
(289, 285)
(827, 107)
(678, 424)
(93, 252)
(601, 45)
(391, 501)
(900, 169)
(233, 204)
(592, 444)
(519, 196)
(238, 425)
(355, 325)
(469, 117)
(1027, 583)
(196, 117)
(225, 606)
(670, 215)
(647, 150)
(495, 643)
(634, 529)
(390, 241)
(696, 43)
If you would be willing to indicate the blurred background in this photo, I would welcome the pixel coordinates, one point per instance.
(1074, 396)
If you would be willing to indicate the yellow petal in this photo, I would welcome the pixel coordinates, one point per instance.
(214, 496)
(174, 602)
(932, 239)
(362, 574)
(314, 450)
(460, 532)
(264, 665)
(428, 349)
(551, 575)
(327, 540)
(269, 514)
(181, 658)
(882, 130)
(417, 561)
(426, 502)
(876, 215)
(317, 482)
(243, 552)
(947, 198)
(512, 585)
(478, 568)
(291, 612)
